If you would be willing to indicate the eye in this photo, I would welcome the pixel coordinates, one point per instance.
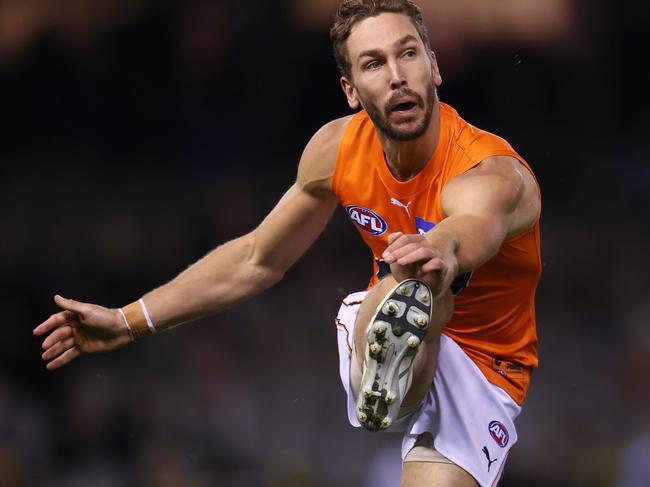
(409, 53)
(372, 65)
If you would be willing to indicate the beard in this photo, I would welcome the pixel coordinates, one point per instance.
(381, 117)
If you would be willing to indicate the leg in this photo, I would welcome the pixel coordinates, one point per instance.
(424, 363)
(416, 474)
(423, 465)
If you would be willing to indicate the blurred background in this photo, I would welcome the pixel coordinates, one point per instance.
(136, 135)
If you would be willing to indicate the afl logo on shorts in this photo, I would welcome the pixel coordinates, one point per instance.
(367, 220)
(499, 433)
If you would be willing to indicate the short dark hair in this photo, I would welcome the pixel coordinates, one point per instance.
(351, 12)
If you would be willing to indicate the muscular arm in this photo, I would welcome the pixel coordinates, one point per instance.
(245, 266)
(231, 273)
(497, 198)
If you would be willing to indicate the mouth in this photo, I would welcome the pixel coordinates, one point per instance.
(406, 106)
(403, 105)
(404, 111)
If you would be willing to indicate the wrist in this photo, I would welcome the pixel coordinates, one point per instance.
(121, 318)
(444, 241)
(137, 320)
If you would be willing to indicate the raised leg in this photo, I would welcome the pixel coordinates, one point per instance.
(394, 333)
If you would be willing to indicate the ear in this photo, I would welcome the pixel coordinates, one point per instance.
(435, 70)
(350, 93)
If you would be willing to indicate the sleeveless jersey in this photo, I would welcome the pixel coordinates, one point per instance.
(494, 316)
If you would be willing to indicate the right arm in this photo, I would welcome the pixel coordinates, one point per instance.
(230, 274)
(241, 268)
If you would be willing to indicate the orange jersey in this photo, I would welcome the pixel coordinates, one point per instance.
(494, 317)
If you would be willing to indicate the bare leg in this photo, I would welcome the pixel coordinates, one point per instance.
(424, 364)
(417, 474)
(428, 467)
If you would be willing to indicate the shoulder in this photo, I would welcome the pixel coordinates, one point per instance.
(506, 168)
(498, 183)
(501, 175)
(473, 142)
(318, 160)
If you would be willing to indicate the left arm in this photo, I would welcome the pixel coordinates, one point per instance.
(483, 206)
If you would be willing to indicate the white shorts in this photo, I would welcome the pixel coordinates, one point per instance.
(470, 419)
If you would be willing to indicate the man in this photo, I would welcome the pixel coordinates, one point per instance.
(435, 199)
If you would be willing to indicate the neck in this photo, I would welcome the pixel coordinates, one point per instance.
(406, 159)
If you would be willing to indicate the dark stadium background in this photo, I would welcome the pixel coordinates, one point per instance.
(137, 135)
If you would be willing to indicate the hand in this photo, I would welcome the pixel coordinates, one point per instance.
(414, 256)
(80, 328)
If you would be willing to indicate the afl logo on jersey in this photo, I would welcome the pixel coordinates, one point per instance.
(367, 220)
(499, 433)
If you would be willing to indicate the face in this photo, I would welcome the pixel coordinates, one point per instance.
(394, 76)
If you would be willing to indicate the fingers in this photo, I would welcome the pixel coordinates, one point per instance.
(57, 335)
(396, 242)
(413, 253)
(54, 321)
(58, 348)
(410, 251)
(394, 236)
(71, 305)
(59, 342)
(413, 256)
(65, 358)
(63, 317)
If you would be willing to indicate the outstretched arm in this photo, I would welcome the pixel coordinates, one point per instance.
(497, 198)
(233, 272)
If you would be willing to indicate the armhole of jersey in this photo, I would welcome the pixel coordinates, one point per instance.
(500, 152)
(537, 187)
(535, 222)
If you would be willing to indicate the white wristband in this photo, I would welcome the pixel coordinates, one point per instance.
(152, 328)
(126, 322)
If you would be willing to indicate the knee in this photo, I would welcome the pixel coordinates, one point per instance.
(375, 295)
(367, 311)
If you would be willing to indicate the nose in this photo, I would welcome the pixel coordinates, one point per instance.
(397, 78)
